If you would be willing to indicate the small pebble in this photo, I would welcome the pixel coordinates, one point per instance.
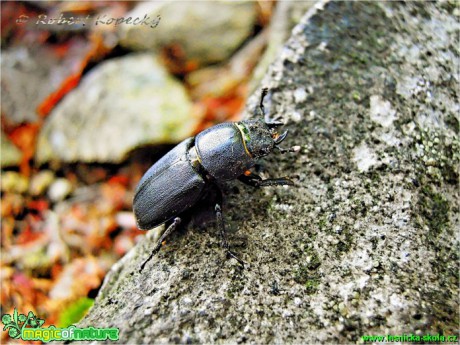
(123, 244)
(297, 301)
(125, 219)
(296, 116)
(300, 95)
(287, 313)
(14, 182)
(343, 309)
(40, 182)
(187, 301)
(59, 189)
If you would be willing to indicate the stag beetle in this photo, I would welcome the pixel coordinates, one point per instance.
(220, 153)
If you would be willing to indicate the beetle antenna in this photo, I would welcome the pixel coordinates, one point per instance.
(277, 121)
(261, 104)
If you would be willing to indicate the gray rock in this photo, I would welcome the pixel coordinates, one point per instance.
(10, 154)
(32, 73)
(352, 250)
(25, 82)
(122, 104)
(207, 32)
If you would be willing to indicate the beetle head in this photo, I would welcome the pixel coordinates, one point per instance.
(260, 138)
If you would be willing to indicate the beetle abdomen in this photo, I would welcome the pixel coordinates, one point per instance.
(168, 188)
(222, 151)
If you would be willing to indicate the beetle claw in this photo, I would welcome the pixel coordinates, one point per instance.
(280, 138)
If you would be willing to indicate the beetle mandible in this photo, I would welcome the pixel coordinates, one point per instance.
(220, 153)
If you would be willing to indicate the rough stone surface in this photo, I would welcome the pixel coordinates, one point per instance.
(349, 251)
(206, 32)
(287, 14)
(122, 104)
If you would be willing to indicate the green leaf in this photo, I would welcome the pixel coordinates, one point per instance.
(75, 312)
(15, 316)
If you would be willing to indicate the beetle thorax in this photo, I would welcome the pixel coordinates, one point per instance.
(222, 152)
(257, 137)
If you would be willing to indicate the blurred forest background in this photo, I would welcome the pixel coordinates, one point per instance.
(88, 104)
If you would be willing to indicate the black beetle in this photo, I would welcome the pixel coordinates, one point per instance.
(220, 153)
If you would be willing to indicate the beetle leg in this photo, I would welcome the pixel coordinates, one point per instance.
(273, 124)
(250, 179)
(292, 149)
(167, 232)
(221, 226)
(281, 181)
(255, 180)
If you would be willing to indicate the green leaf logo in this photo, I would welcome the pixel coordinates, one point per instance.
(16, 323)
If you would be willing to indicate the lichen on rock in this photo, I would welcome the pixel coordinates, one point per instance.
(347, 252)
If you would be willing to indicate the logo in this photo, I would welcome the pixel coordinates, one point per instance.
(16, 323)
(20, 326)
